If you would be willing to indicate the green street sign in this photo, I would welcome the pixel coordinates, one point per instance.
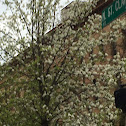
(114, 10)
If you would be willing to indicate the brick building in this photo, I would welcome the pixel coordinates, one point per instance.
(113, 51)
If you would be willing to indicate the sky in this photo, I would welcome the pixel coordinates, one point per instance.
(63, 3)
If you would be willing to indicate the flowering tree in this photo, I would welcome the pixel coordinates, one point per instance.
(62, 77)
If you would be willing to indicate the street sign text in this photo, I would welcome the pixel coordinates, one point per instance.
(113, 11)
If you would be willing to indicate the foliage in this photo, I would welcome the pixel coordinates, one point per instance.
(47, 78)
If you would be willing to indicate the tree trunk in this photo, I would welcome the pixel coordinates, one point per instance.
(45, 123)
